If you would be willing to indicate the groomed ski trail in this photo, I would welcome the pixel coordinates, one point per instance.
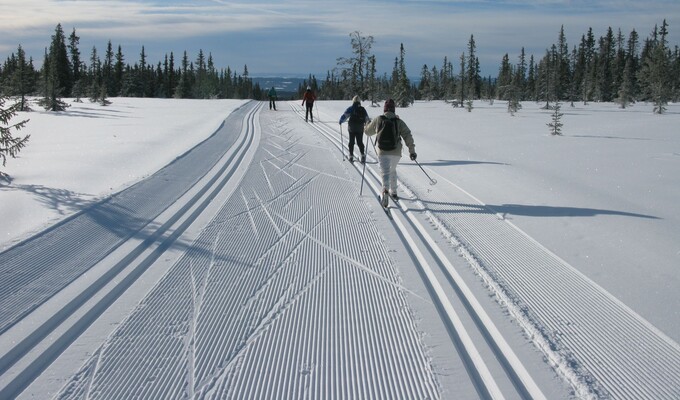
(92, 279)
(284, 294)
(290, 289)
(601, 347)
(598, 345)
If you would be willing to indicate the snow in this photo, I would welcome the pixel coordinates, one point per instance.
(89, 152)
(566, 241)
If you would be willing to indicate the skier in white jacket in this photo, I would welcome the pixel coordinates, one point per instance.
(390, 131)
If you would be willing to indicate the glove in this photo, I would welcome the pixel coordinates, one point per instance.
(413, 156)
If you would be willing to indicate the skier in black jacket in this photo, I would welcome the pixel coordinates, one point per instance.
(358, 118)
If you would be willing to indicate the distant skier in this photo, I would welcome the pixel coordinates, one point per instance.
(390, 131)
(358, 118)
(309, 99)
(272, 98)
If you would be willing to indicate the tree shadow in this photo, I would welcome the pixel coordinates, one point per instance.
(527, 210)
(91, 113)
(62, 201)
(608, 137)
(109, 214)
(448, 163)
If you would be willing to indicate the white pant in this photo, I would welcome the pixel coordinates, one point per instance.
(388, 169)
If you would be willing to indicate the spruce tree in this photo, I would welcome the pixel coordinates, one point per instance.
(400, 87)
(21, 81)
(107, 69)
(462, 84)
(56, 72)
(118, 70)
(625, 94)
(10, 145)
(654, 76)
(425, 85)
(556, 124)
(76, 64)
(372, 93)
(504, 77)
(633, 58)
(95, 76)
(513, 93)
(472, 74)
(562, 67)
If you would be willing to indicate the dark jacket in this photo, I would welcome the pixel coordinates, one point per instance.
(358, 117)
(308, 98)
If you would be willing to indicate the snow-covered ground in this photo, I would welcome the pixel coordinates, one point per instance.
(566, 241)
(89, 152)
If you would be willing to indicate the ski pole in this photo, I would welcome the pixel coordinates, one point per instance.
(432, 181)
(363, 172)
(342, 148)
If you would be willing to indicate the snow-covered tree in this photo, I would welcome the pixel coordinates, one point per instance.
(10, 145)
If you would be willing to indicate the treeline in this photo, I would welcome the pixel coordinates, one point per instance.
(611, 68)
(64, 73)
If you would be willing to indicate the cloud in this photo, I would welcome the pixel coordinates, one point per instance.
(316, 32)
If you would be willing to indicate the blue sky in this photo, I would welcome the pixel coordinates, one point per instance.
(299, 37)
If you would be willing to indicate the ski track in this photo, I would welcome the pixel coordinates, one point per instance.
(269, 302)
(603, 348)
(608, 352)
(33, 271)
(249, 311)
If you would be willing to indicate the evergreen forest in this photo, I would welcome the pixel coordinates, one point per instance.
(612, 68)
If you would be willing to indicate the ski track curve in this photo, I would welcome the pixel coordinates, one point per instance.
(34, 270)
(35, 346)
(270, 303)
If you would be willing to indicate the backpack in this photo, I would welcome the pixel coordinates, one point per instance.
(357, 119)
(388, 135)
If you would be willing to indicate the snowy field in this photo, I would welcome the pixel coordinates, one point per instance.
(567, 241)
(82, 155)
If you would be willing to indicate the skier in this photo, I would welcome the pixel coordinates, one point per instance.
(390, 131)
(309, 99)
(272, 98)
(358, 118)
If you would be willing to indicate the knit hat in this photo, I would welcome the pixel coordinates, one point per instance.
(356, 99)
(389, 106)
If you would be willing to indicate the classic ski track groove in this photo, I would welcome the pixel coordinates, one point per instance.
(231, 320)
(609, 352)
(269, 303)
(477, 368)
(50, 338)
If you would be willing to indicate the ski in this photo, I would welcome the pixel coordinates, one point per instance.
(387, 210)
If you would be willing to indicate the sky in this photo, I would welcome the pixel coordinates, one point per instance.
(302, 37)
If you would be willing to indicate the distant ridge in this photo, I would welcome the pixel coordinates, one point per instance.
(286, 87)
